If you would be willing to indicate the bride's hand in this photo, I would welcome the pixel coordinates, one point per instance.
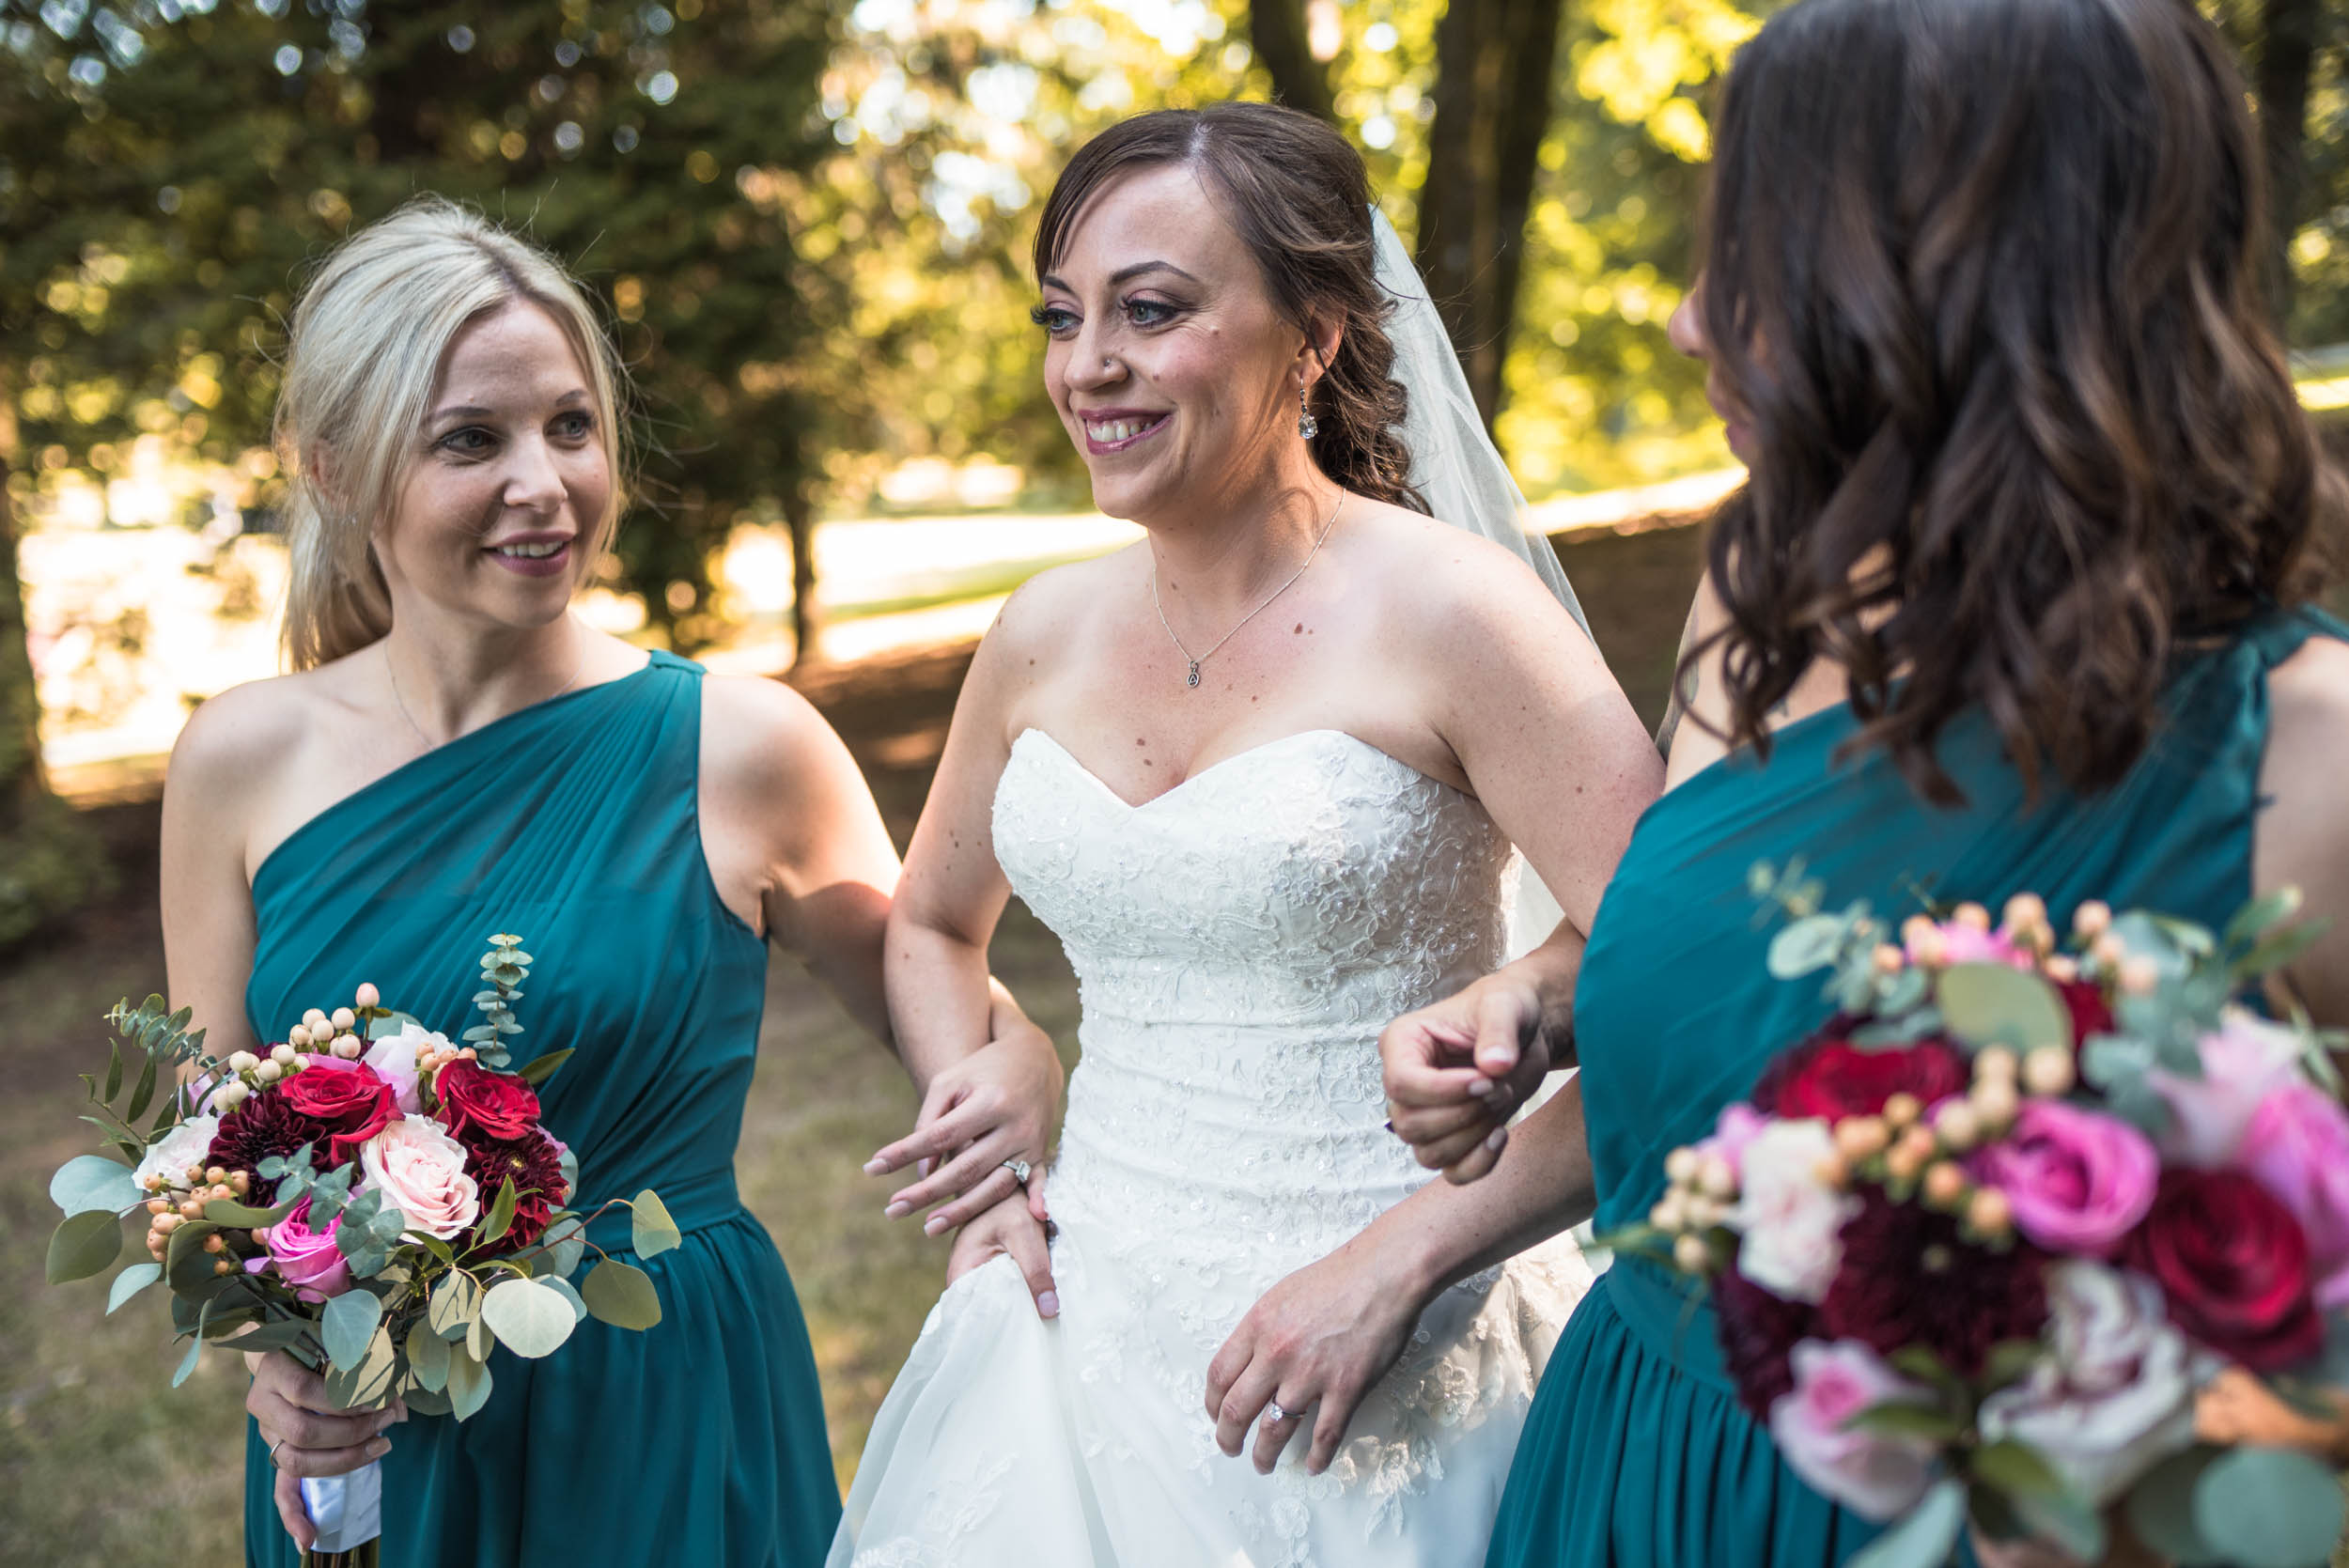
(1455, 1071)
(1009, 1229)
(997, 1104)
(1317, 1340)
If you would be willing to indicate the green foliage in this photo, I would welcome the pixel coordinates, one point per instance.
(1925, 1537)
(160, 198)
(2273, 1508)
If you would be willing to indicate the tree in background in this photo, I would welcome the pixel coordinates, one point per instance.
(167, 175)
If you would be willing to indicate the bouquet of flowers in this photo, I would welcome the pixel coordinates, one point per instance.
(1976, 1244)
(376, 1201)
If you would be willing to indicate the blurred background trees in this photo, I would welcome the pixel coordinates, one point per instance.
(807, 222)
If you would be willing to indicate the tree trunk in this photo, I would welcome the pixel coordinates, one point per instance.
(1494, 64)
(807, 618)
(1276, 30)
(2287, 53)
(48, 863)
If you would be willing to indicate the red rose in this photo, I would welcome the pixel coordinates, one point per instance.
(479, 1104)
(2090, 1012)
(2233, 1266)
(344, 1097)
(1827, 1076)
(534, 1166)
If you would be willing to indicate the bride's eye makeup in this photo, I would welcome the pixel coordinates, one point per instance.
(1056, 320)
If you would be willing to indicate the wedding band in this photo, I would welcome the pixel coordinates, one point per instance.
(1018, 1168)
(272, 1451)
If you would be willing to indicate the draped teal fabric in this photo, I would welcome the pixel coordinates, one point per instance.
(574, 825)
(1636, 1452)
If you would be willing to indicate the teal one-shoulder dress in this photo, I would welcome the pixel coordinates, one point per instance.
(1636, 1452)
(574, 824)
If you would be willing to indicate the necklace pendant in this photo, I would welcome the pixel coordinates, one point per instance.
(1193, 678)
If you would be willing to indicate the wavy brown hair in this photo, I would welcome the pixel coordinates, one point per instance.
(1981, 277)
(1298, 198)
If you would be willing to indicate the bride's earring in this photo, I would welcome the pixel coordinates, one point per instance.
(1307, 425)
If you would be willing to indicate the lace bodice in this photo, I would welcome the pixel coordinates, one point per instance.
(1239, 942)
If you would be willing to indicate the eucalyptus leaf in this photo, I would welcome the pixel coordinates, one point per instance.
(2017, 1469)
(366, 1386)
(2273, 1508)
(91, 1182)
(427, 1402)
(2140, 1104)
(1807, 944)
(479, 1340)
(620, 1295)
(284, 1334)
(244, 1217)
(1924, 1537)
(652, 1232)
(2160, 1509)
(456, 1301)
(468, 1385)
(348, 1324)
(563, 1254)
(84, 1244)
(142, 1093)
(500, 1212)
(427, 1358)
(1989, 1004)
(2067, 1521)
(540, 1068)
(530, 1319)
(130, 1282)
(2109, 1059)
(570, 1292)
(196, 1351)
(389, 1025)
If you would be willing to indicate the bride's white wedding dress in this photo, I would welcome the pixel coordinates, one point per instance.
(1239, 942)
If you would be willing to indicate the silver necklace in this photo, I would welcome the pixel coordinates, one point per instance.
(1192, 679)
(579, 667)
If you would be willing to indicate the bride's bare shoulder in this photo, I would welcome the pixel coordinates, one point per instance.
(1060, 604)
(1433, 573)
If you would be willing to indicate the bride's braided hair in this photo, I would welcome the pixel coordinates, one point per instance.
(1300, 199)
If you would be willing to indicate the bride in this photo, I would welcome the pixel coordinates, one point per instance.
(1261, 773)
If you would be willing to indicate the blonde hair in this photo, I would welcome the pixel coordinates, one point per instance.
(367, 342)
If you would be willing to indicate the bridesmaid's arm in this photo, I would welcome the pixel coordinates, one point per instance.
(2302, 837)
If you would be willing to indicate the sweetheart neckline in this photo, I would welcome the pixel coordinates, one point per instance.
(1293, 737)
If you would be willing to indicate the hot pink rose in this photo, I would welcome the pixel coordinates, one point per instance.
(1737, 1126)
(1964, 944)
(2297, 1147)
(420, 1170)
(1871, 1473)
(2247, 1059)
(308, 1260)
(2078, 1180)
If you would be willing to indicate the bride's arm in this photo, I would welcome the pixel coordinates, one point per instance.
(983, 1103)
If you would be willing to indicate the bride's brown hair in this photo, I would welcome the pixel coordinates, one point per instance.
(1299, 198)
(1981, 277)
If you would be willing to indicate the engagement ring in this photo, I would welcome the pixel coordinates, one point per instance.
(1274, 1413)
(1018, 1168)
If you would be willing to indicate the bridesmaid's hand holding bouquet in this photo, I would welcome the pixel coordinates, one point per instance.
(376, 1203)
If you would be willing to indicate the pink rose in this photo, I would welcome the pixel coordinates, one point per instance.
(1875, 1474)
(1789, 1222)
(307, 1260)
(2245, 1061)
(393, 1060)
(420, 1170)
(2078, 1180)
(1738, 1124)
(2297, 1147)
(1964, 944)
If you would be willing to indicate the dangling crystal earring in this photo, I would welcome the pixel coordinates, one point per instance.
(1307, 425)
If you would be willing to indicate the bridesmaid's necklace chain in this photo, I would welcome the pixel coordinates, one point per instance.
(579, 667)
(1192, 679)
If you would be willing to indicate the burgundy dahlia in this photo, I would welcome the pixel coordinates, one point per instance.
(536, 1167)
(2090, 1012)
(1908, 1277)
(268, 1124)
(1758, 1333)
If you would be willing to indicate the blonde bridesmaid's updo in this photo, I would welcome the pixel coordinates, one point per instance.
(369, 338)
